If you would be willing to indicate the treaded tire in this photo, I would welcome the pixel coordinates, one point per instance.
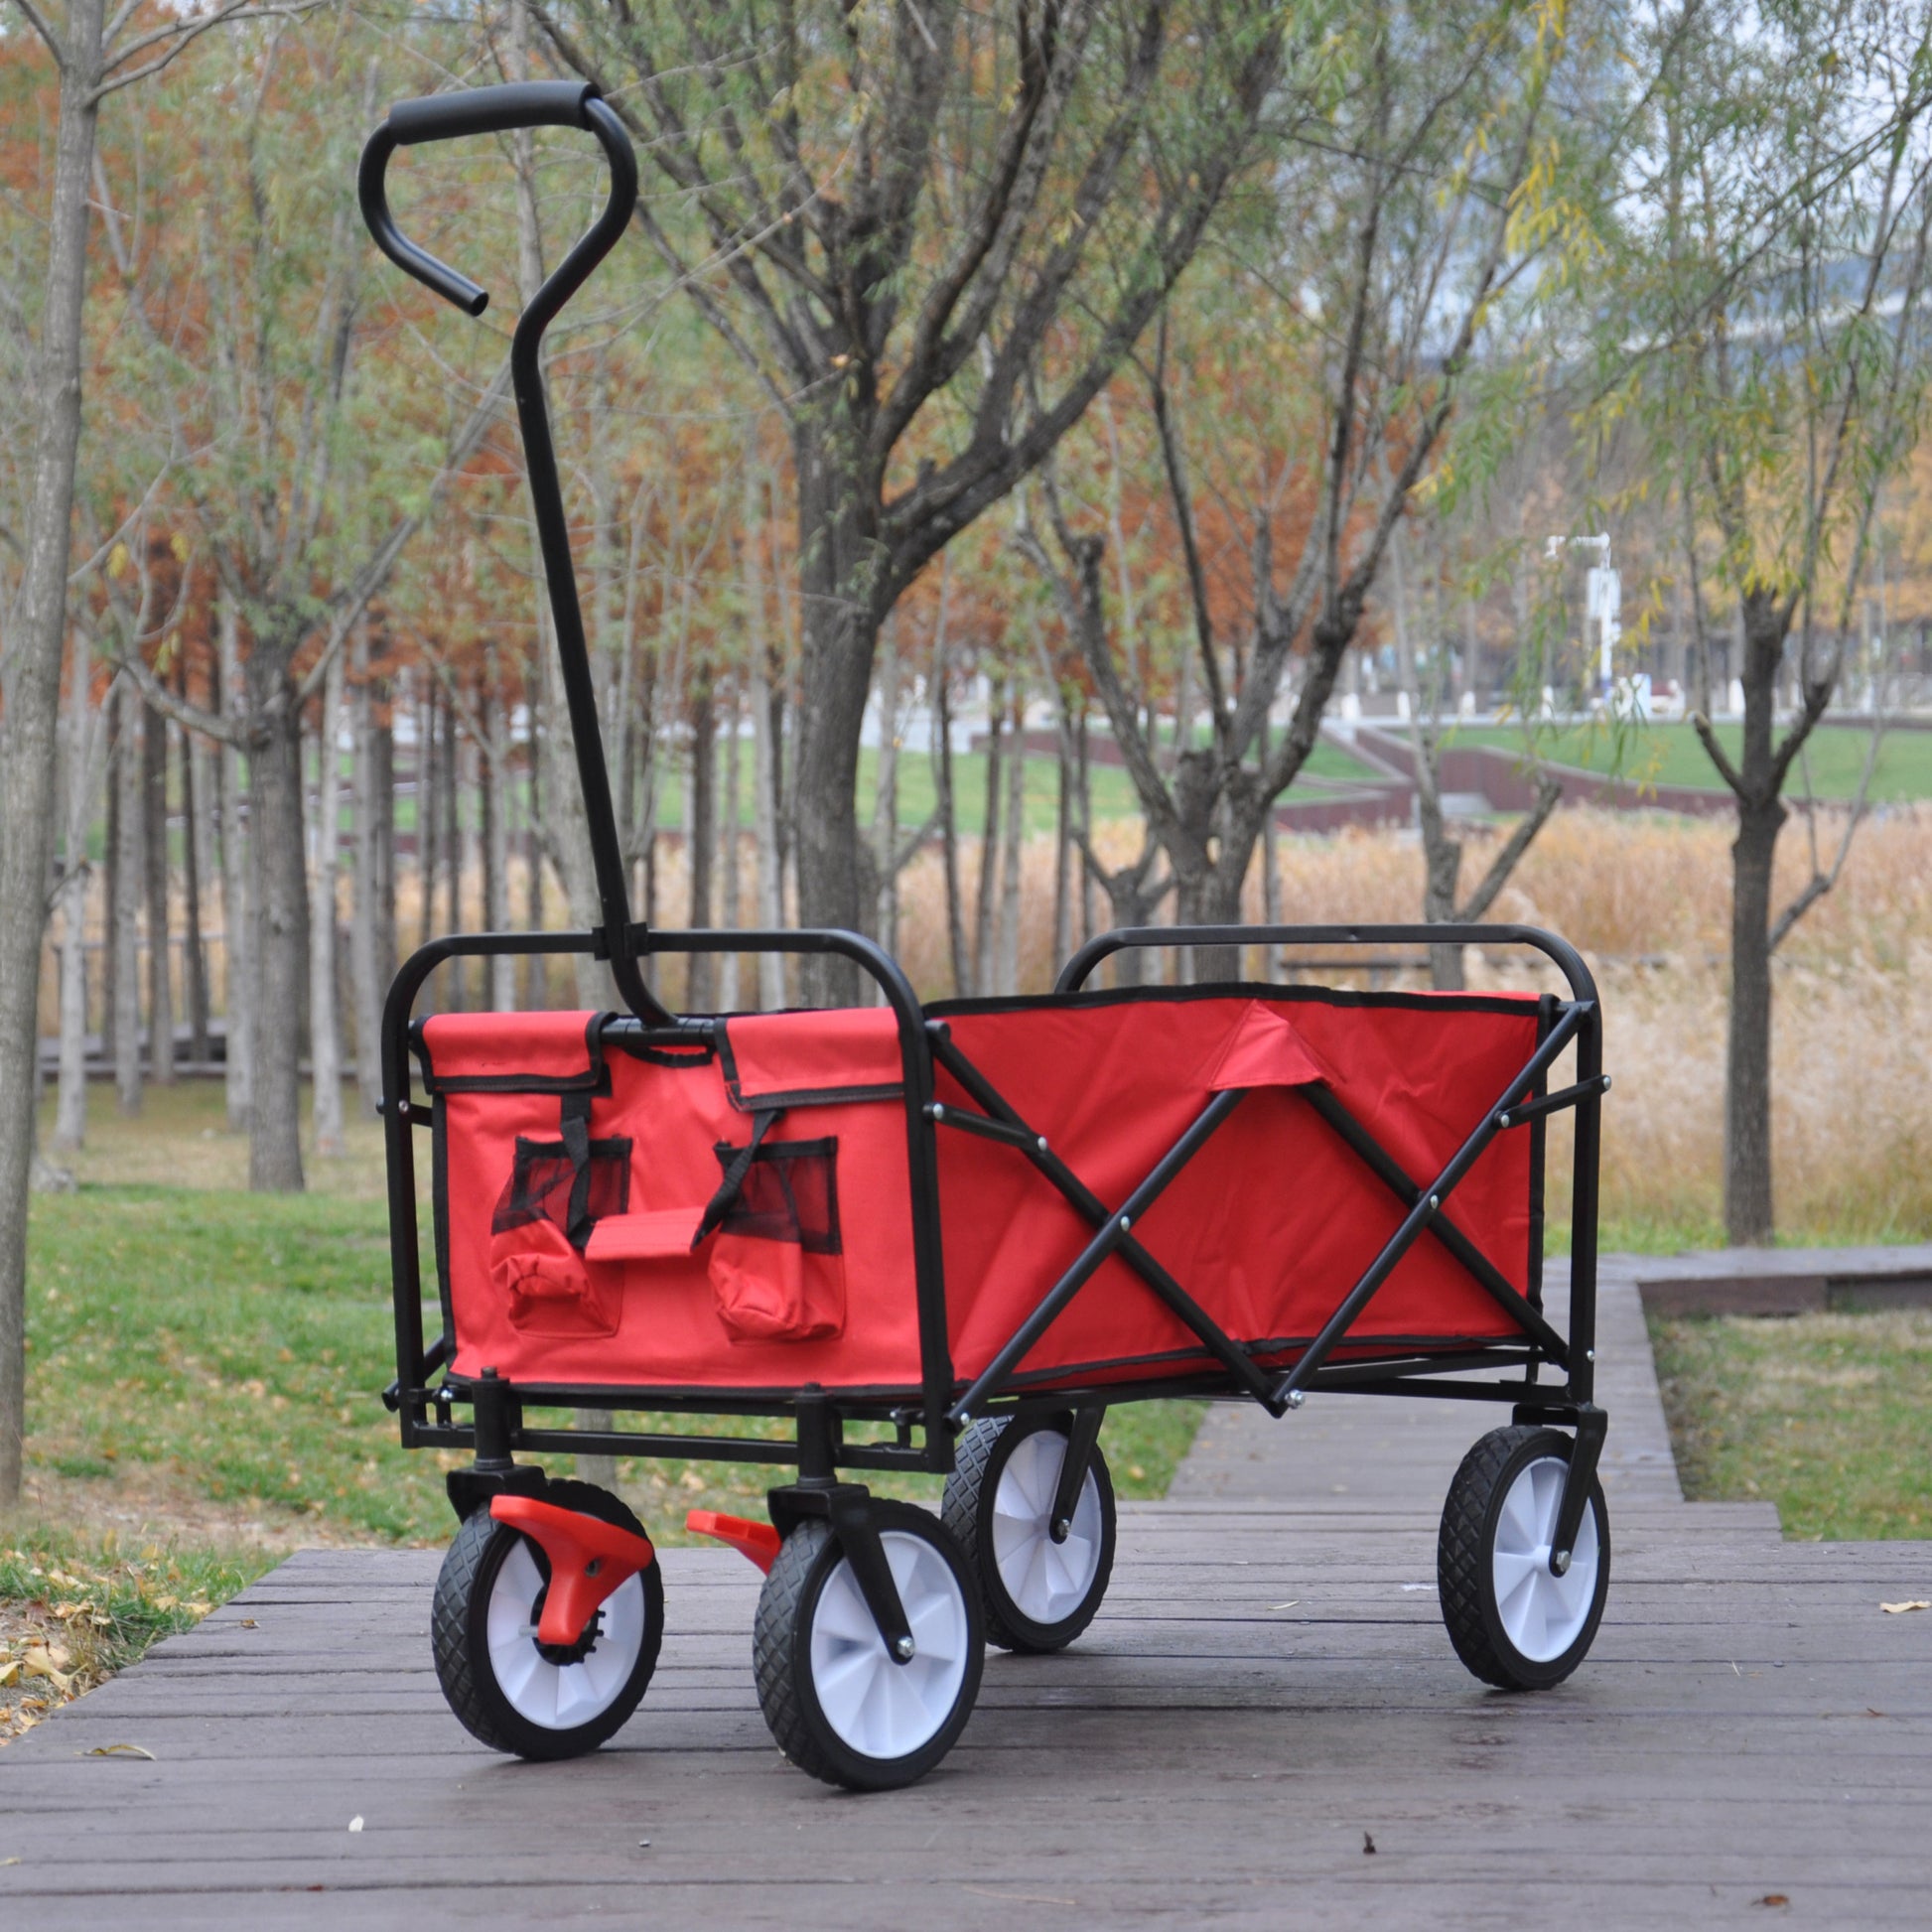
(1465, 1560)
(782, 1660)
(459, 1641)
(966, 1509)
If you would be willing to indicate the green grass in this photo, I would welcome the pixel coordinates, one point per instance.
(1824, 1414)
(76, 1608)
(232, 1347)
(1670, 754)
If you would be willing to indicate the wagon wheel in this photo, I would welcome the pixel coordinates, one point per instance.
(1039, 1591)
(531, 1699)
(839, 1705)
(1513, 1623)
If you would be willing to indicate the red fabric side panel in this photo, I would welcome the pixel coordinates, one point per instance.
(792, 1052)
(501, 1045)
(669, 1328)
(1274, 1220)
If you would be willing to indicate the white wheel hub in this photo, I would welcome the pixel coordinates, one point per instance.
(1047, 1581)
(559, 1697)
(1542, 1615)
(876, 1707)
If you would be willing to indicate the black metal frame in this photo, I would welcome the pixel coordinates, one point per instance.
(941, 1406)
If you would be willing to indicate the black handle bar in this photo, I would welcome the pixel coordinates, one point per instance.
(495, 110)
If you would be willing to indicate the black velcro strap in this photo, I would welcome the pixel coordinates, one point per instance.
(574, 1127)
(720, 1203)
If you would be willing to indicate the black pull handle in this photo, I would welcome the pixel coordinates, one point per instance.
(450, 117)
(491, 110)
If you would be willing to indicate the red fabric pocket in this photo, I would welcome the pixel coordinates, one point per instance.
(773, 1291)
(546, 1286)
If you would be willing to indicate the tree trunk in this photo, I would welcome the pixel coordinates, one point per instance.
(193, 846)
(154, 862)
(885, 798)
(699, 835)
(30, 700)
(71, 1107)
(126, 935)
(451, 766)
(281, 890)
(1747, 1061)
(499, 995)
(241, 1000)
(948, 796)
(326, 1053)
(768, 859)
(840, 635)
(728, 842)
(984, 935)
(536, 968)
(365, 986)
(1013, 850)
(429, 804)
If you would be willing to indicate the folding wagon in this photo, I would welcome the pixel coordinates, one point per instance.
(947, 1238)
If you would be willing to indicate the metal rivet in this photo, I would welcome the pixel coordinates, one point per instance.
(938, 1111)
(1294, 1398)
(902, 1649)
(1125, 1224)
(1589, 1354)
(1041, 1143)
(1434, 1201)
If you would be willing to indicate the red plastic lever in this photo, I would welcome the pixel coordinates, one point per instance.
(759, 1540)
(588, 1561)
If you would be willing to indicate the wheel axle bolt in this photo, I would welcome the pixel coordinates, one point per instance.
(1560, 1564)
(1294, 1398)
(1062, 1527)
(902, 1649)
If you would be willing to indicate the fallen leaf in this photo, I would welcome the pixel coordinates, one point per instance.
(40, 1663)
(1772, 1898)
(248, 1623)
(9, 1671)
(356, 1823)
(9, 1861)
(1289, 1606)
(1368, 1845)
(197, 1608)
(1899, 1610)
(119, 1750)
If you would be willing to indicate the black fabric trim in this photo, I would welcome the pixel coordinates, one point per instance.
(771, 1103)
(439, 1189)
(1236, 990)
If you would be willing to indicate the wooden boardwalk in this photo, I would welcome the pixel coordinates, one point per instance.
(1267, 1692)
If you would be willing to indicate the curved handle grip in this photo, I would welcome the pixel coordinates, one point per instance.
(448, 117)
(491, 110)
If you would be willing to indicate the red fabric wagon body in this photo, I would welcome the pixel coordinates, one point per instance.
(600, 1269)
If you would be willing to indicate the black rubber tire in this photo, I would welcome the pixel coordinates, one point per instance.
(966, 1509)
(1465, 1572)
(781, 1638)
(459, 1619)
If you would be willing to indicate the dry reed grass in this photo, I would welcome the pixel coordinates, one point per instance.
(1646, 898)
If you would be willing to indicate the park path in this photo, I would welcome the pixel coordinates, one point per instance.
(1267, 1694)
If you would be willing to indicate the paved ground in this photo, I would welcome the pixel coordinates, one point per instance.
(1268, 1694)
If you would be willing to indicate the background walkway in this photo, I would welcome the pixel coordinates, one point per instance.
(1267, 1695)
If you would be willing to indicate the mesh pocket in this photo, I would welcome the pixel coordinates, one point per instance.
(791, 1192)
(541, 1181)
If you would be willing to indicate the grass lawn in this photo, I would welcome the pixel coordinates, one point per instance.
(1824, 1414)
(205, 1369)
(1669, 754)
